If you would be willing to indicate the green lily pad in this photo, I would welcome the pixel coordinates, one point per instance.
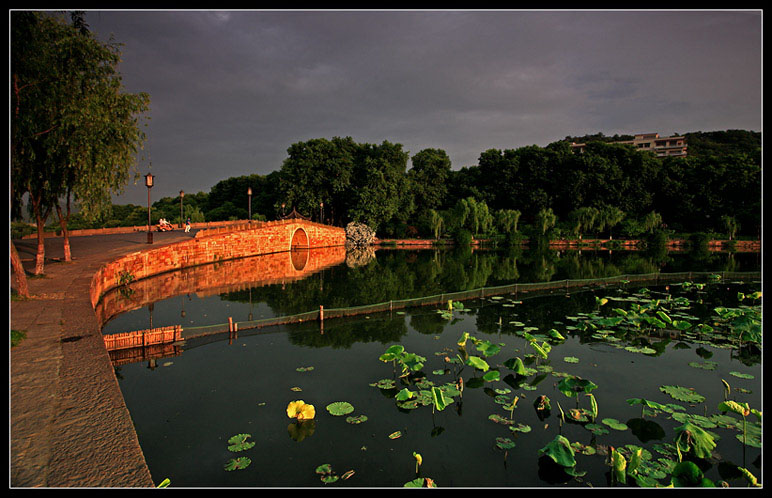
(385, 384)
(237, 463)
(339, 408)
(615, 424)
(708, 365)
(741, 375)
(239, 442)
(596, 429)
(571, 359)
(520, 428)
(682, 394)
(356, 420)
(504, 443)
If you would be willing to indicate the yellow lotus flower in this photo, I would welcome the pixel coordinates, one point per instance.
(301, 410)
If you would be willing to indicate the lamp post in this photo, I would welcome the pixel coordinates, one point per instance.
(149, 184)
(321, 212)
(182, 194)
(282, 209)
(249, 194)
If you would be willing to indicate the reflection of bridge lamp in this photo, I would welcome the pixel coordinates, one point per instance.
(250, 304)
(151, 364)
(182, 313)
(182, 194)
(149, 184)
(249, 195)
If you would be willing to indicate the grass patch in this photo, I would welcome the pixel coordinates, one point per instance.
(17, 336)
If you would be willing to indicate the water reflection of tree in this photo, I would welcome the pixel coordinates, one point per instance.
(345, 333)
(428, 323)
(400, 274)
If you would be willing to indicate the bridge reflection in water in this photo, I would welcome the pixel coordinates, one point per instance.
(218, 278)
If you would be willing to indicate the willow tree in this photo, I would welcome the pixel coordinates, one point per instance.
(584, 219)
(74, 132)
(609, 217)
(545, 219)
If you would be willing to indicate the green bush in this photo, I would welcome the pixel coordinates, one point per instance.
(462, 237)
(19, 230)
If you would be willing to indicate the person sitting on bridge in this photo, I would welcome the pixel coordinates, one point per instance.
(164, 225)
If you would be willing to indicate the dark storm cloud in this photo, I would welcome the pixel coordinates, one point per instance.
(231, 91)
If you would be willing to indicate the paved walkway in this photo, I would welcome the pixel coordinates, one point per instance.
(69, 424)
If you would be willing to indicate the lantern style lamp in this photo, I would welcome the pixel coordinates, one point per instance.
(249, 195)
(182, 194)
(149, 184)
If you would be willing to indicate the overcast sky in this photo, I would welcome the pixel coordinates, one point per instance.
(232, 90)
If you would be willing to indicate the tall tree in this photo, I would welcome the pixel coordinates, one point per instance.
(318, 171)
(74, 133)
(429, 178)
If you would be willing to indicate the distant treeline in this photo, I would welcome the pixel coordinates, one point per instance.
(549, 191)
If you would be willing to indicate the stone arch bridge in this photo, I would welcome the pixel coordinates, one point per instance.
(216, 245)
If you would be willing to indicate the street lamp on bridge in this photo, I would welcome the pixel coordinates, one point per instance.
(149, 184)
(182, 194)
(249, 194)
(321, 212)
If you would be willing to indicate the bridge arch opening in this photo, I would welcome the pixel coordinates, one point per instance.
(299, 240)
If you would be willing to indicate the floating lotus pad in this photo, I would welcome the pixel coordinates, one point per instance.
(340, 408)
(239, 442)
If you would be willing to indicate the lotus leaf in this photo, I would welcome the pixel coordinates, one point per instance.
(741, 375)
(478, 363)
(504, 443)
(708, 365)
(487, 348)
(421, 482)
(491, 375)
(356, 420)
(693, 439)
(405, 394)
(339, 408)
(571, 359)
(682, 394)
(516, 365)
(688, 474)
(615, 424)
(237, 463)
(571, 386)
(239, 442)
(392, 353)
(439, 399)
(560, 451)
(520, 428)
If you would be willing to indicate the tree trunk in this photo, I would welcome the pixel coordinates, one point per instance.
(40, 257)
(65, 234)
(20, 276)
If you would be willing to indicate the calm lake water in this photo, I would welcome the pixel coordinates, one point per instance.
(186, 407)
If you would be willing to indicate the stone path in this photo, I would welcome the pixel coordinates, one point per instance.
(69, 424)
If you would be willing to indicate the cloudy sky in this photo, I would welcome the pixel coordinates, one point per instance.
(232, 90)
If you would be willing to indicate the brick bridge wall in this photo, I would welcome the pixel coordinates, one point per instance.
(217, 278)
(216, 245)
